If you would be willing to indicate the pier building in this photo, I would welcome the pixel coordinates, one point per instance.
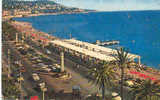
(90, 50)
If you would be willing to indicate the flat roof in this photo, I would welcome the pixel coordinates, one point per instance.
(99, 52)
(99, 48)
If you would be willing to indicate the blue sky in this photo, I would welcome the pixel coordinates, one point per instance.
(113, 5)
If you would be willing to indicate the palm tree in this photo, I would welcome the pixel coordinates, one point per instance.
(122, 60)
(103, 76)
(146, 90)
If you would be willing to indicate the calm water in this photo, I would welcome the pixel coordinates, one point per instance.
(139, 31)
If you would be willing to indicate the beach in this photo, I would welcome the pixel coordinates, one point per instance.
(132, 32)
(38, 41)
(27, 28)
(40, 14)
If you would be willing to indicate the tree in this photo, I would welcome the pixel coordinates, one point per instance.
(9, 89)
(103, 76)
(122, 60)
(7, 31)
(146, 90)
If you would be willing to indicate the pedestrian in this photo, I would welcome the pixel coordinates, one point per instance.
(77, 66)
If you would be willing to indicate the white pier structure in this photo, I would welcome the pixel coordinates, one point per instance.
(91, 50)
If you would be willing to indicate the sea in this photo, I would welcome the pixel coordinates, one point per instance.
(138, 31)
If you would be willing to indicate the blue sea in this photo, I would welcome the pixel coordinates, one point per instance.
(139, 31)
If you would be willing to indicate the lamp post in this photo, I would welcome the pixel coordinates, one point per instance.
(43, 94)
(62, 61)
(16, 37)
(22, 38)
(20, 81)
(6, 43)
(9, 70)
(44, 90)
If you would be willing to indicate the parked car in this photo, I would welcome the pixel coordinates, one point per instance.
(57, 65)
(48, 52)
(35, 76)
(46, 69)
(55, 69)
(22, 51)
(23, 69)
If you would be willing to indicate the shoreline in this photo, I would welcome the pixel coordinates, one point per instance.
(43, 14)
(27, 27)
(68, 13)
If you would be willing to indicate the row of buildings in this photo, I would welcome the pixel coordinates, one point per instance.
(25, 8)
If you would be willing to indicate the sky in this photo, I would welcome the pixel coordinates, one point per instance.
(112, 5)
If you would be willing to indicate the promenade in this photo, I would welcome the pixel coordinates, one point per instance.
(79, 50)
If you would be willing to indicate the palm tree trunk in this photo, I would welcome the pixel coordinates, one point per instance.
(146, 97)
(103, 92)
(122, 81)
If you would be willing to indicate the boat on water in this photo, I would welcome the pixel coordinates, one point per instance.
(106, 43)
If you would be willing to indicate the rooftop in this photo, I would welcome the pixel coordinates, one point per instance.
(91, 50)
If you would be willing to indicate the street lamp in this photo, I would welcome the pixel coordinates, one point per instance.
(9, 70)
(62, 61)
(44, 90)
(5, 43)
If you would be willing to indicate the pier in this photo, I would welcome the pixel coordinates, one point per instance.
(107, 43)
(90, 50)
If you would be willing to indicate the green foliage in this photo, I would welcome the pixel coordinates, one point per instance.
(103, 76)
(8, 31)
(122, 60)
(122, 57)
(146, 90)
(35, 6)
(9, 89)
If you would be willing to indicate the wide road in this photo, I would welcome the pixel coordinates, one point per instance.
(28, 83)
(82, 71)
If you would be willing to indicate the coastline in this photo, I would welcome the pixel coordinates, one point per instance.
(67, 13)
(21, 26)
(27, 27)
(41, 14)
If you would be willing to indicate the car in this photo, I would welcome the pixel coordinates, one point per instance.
(57, 65)
(16, 62)
(34, 65)
(39, 60)
(34, 62)
(20, 78)
(48, 52)
(20, 47)
(23, 69)
(42, 65)
(35, 77)
(47, 69)
(34, 58)
(50, 65)
(55, 69)
(22, 51)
